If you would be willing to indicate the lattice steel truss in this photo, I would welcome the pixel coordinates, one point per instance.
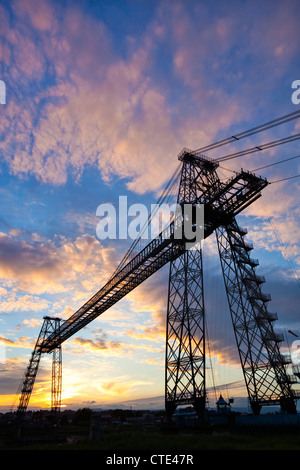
(56, 382)
(49, 326)
(185, 331)
(262, 363)
(264, 367)
(185, 342)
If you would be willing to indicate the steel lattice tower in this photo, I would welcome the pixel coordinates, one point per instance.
(263, 366)
(56, 382)
(50, 326)
(262, 363)
(185, 331)
(185, 342)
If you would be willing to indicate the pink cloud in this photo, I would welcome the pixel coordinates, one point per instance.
(277, 35)
(104, 111)
(41, 14)
(110, 113)
(53, 268)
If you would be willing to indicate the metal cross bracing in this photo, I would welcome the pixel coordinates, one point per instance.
(56, 382)
(185, 338)
(262, 363)
(185, 332)
(50, 325)
(264, 367)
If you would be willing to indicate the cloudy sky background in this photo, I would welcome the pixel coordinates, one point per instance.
(101, 96)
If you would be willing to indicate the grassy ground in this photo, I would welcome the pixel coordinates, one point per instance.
(196, 442)
(155, 440)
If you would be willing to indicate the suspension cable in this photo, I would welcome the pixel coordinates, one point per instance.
(275, 163)
(167, 192)
(284, 179)
(281, 244)
(254, 130)
(265, 146)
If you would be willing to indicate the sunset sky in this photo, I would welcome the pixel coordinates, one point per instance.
(101, 96)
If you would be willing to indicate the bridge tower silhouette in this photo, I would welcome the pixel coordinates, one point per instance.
(264, 366)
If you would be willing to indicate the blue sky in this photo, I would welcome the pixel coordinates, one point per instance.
(101, 96)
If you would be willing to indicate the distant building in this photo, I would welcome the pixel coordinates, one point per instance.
(222, 406)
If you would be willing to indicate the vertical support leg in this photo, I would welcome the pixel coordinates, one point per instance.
(56, 380)
(28, 380)
(185, 340)
(49, 326)
(263, 366)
